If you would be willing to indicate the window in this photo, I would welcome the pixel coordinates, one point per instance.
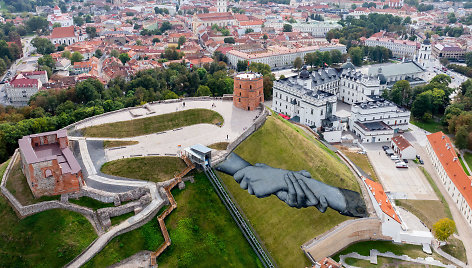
(239, 100)
(250, 86)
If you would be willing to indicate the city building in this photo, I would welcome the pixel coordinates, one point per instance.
(451, 173)
(377, 120)
(64, 36)
(395, 3)
(403, 148)
(49, 165)
(248, 91)
(20, 89)
(301, 99)
(448, 51)
(221, 6)
(278, 56)
(355, 86)
(315, 28)
(65, 20)
(399, 48)
(221, 19)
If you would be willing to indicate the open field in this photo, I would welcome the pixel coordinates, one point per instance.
(431, 126)
(428, 211)
(383, 262)
(202, 231)
(152, 168)
(86, 201)
(363, 248)
(455, 247)
(281, 228)
(219, 145)
(111, 144)
(158, 123)
(362, 162)
(437, 191)
(18, 186)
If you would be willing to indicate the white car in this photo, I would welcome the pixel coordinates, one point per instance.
(401, 165)
(394, 157)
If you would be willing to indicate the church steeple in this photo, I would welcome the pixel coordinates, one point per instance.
(221, 6)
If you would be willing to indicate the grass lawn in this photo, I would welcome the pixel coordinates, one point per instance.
(18, 186)
(86, 201)
(464, 167)
(48, 239)
(284, 229)
(219, 146)
(111, 144)
(428, 211)
(437, 191)
(362, 162)
(363, 248)
(468, 159)
(383, 262)
(152, 168)
(455, 247)
(202, 231)
(431, 126)
(158, 123)
(118, 219)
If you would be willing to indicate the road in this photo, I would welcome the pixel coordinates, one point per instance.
(27, 50)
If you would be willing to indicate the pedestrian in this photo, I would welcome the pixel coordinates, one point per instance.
(227, 136)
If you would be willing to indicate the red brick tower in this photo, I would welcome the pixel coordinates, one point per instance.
(248, 91)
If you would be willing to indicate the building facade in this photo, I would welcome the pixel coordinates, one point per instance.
(49, 165)
(277, 56)
(316, 29)
(403, 148)
(299, 98)
(451, 173)
(424, 57)
(448, 51)
(65, 20)
(20, 89)
(248, 91)
(399, 48)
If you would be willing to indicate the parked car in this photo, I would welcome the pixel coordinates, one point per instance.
(421, 161)
(401, 165)
(405, 160)
(418, 157)
(389, 152)
(361, 152)
(385, 147)
(394, 157)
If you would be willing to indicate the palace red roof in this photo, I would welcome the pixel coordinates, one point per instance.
(63, 32)
(446, 154)
(401, 142)
(381, 197)
(24, 82)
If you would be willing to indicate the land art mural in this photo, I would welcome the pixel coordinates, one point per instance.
(295, 188)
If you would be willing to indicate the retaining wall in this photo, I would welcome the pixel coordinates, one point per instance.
(343, 235)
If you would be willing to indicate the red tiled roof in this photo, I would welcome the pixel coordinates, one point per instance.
(401, 142)
(24, 82)
(63, 32)
(33, 73)
(446, 154)
(379, 194)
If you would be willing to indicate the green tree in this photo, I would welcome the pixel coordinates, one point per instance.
(66, 54)
(156, 40)
(298, 63)
(268, 87)
(76, 57)
(43, 45)
(181, 41)
(462, 136)
(203, 91)
(422, 104)
(356, 55)
(91, 31)
(98, 53)
(451, 17)
(336, 56)
(124, 58)
(79, 21)
(114, 53)
(249, 30)
(468, 59)
(287, 28)
(56, 24)
(47, 60)
(229, 40)
(38, 24)
(401, 93)
(444, 228)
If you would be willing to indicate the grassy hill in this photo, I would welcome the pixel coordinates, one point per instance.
(202, 231)
(153, 168)
(153, 124)
(284, 229)
(47, 239)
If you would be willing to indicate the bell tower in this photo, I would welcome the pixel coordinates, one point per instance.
(221, 5)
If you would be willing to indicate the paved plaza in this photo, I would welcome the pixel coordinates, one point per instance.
(170, 142)
(402, 183)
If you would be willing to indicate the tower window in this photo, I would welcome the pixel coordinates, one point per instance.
(250, 86)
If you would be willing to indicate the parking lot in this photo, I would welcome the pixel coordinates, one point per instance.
(402, 183)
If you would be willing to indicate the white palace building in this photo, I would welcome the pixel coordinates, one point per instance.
(310, 99)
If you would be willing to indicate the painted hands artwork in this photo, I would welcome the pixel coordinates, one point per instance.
(295, 188)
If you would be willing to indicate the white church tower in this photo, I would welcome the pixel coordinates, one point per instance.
(424, 54)
(221, 6)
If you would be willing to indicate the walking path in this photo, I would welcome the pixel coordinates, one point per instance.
(131, 223)
(465, 162)
(375, 253)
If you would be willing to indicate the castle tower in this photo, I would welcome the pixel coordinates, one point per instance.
(221, 6)
(248, 91)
